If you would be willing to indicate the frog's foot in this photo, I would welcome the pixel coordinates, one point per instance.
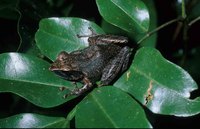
(100, 84)
(91, 35)
(75, 84)
(79, 91)
(63, 88)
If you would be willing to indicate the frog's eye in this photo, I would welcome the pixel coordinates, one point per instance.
(62, 55)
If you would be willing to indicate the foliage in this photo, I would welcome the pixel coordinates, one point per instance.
(160, 85)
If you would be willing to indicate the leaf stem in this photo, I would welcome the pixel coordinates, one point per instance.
(183, 14)
(18, 25)
(185, 43)
(158, 28)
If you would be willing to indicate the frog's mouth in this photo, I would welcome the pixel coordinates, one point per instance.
(69, 75)
(59, 68)
(61, 73)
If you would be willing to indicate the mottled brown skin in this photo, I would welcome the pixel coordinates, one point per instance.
(102, 60)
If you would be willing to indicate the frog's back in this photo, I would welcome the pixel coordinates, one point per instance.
(95, 58)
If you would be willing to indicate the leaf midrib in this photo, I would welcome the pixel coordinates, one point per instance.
(143, 28)
(104, 111)
(32, 82)
(155, 81)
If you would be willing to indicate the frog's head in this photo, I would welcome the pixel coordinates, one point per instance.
(62, 63)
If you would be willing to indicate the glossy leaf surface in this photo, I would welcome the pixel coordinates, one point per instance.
(29, 77)
(29, 120)
(129, 15)
(159, 84)
(109, 107)
(150, 41)
(60, 34)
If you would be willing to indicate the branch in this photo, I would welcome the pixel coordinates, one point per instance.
(193, 21)
(158, 28)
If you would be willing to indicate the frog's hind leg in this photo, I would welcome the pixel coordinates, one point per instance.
(118, 64)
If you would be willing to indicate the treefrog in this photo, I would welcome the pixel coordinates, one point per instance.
(104, 58)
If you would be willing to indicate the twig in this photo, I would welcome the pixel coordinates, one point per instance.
(193, 21)
(158, 28)
(183, 13)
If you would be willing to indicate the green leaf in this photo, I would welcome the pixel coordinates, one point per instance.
(29, 120)
(129, 15)
(111, 29)
(160, 85)
(58, 34)
(109, 107)
(29, 77)
(150, 41)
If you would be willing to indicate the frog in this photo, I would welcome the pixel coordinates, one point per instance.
(102, 60)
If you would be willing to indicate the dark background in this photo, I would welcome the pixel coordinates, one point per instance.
(171, 48)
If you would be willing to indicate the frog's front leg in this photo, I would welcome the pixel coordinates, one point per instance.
(118, 64)
(87, 85)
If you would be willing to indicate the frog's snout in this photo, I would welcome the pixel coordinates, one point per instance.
(52, 68)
